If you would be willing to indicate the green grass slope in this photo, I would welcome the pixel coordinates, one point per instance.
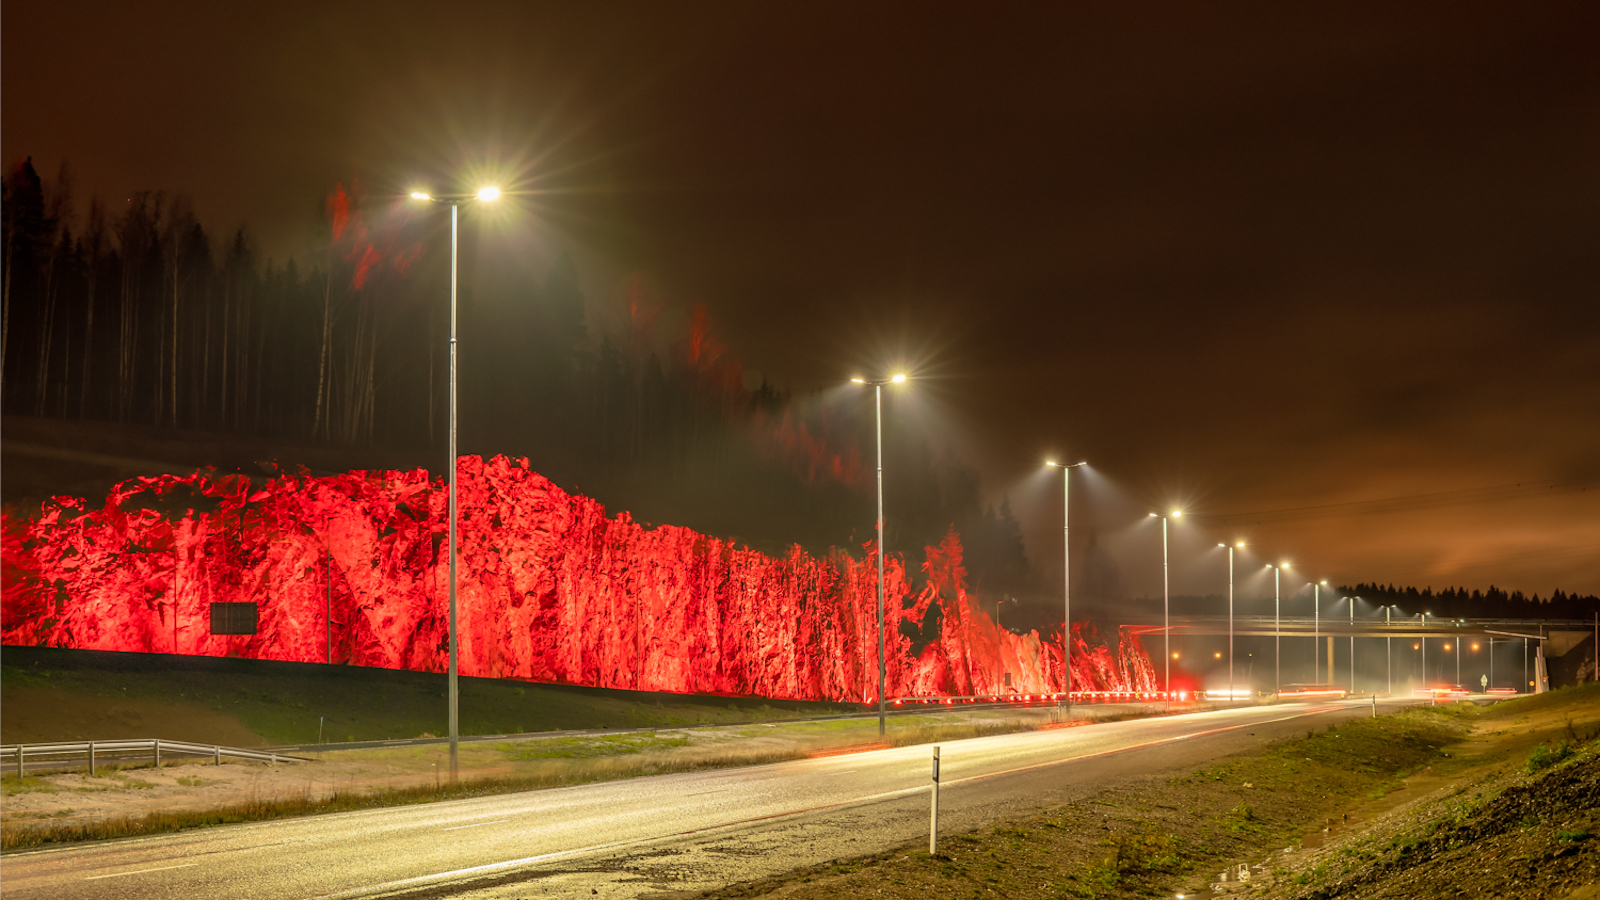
(51, 694)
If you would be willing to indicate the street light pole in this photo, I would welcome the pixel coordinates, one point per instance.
(1425, 650)
(455, 650)
(1352, 647)
(883, 663)
(1316, 635)
(1066, 577)
(1166, 611)
(1388, 646)
(1230, 620)
(484, 194)
(1277, 630)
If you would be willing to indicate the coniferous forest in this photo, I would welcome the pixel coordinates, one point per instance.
(1454, 602)
(132, 313)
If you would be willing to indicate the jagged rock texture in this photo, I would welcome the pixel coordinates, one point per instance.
(353, 569)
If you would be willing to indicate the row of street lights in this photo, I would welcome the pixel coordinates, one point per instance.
(489, 194)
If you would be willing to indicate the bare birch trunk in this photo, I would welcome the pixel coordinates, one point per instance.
(46, 333)
(322, 357)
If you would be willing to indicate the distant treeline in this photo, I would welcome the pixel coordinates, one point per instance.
(1453, 602)
(135, 314)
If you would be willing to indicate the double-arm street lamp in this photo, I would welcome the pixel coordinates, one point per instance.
(1316, 635)
(454, 202)
(1352, 647)
(1240, 545)
(1277, 629)
(1066, 576)
(1388, 644)
(1352, 602)
(1166, 606)
(883, 674)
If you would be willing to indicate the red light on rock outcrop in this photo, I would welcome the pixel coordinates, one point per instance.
(551, 589)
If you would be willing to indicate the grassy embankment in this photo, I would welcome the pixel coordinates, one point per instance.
(1172, 835)
(80, 695)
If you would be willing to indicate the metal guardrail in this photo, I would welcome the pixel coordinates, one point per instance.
(17, 757)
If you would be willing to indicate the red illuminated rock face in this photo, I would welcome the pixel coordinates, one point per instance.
(353, 569)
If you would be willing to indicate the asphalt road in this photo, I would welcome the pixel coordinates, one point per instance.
(652, 836)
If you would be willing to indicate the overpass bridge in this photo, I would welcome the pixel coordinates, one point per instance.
(1559, 635)
(1542, 639)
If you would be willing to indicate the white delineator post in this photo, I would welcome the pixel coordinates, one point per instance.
(933, 825)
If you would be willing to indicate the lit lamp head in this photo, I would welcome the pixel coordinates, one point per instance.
(897, 378)
(488, 193)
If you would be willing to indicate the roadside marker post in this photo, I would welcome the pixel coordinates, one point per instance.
(933, 828)
(1374, 704)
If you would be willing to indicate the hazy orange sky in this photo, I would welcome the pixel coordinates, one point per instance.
(1243, 258)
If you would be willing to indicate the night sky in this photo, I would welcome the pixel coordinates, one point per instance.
(1268, 264)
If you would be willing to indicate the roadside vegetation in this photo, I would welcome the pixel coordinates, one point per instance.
(394, 776)
(1407, 806)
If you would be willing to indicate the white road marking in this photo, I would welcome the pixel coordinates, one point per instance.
(856, 801)
(140, 872)
(474, 825)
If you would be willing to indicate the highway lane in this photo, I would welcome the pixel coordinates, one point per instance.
(615, 834)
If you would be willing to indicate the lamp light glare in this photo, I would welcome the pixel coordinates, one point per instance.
(1177, 514)
(489, 193)
(1051, 462)
(858, 380)
(420, 195)
(899, 379)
